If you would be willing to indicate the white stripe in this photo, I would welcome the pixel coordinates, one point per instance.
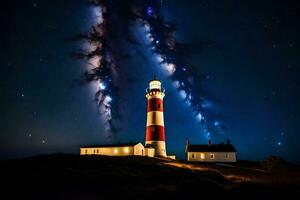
(159, 146)
(155, 118)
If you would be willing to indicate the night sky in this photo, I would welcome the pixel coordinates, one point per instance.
(249, 54)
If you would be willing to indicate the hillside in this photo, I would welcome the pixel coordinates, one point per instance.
(61, 176)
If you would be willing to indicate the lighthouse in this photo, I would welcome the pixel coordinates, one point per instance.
(155, 129)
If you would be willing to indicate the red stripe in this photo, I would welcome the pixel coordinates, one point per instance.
(155, 104)
(155, 132)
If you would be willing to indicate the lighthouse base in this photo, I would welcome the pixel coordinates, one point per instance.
(159, 146)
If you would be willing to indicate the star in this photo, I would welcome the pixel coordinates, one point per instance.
(29, 135)
(44, 141)
(279, 143)
(22, 95)
(34, 4)
(291, 45)
(275, 45)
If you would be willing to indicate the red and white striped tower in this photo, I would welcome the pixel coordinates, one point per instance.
(155, 130)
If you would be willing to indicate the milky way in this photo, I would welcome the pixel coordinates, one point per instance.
(170, 55)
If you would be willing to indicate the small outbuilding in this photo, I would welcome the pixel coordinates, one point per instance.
(211, 152)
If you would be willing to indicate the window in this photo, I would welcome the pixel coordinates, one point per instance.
(212, 156)
(153, 128)
(94, 150)
(115, 150)
(226, 155)
(193, 156)
(202, 156)
(155, 85)
(97, 150)
(126, 150)
(86, 151)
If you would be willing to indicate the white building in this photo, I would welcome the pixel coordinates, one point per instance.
(125, 149)
(211, 153)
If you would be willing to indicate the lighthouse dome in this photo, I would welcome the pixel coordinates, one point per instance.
(155, 84)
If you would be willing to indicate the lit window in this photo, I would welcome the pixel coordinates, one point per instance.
(202, 155)
(86, 151)
(193, 156)
(212, 156)
(126, 150)
(94, 150)
(115, 150)
(155, 85)
(97, 150)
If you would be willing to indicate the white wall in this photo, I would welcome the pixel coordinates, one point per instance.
(108, 151)
(172, 157)
(217, 156)
(159, 146)
(150, 152)
(139, 150)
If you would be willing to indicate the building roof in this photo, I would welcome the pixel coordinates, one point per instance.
(211, 148)
(113, 145)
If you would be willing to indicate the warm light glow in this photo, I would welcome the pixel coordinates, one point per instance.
(202, 156)
(155, 84)
(116, 151)
(126, 150)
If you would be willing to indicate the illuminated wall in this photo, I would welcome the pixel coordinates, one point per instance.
(136, 150)
(150, 152)
(108, 151)
(211, 156)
